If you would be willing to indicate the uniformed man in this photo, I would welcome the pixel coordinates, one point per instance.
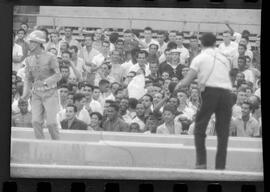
(212, 69)
(41, 77)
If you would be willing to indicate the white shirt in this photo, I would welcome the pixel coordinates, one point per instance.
(79, 66)
(229, 51)
(136, 67)
(184, 55)
(126, 66)
(17, 51)
(88, 56)
(98, 59)
(84, 116)
(249, 75)
(140, 122)
(203, 64)
(117, 72)
(96, 106)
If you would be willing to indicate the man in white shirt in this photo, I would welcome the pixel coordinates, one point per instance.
(161, 36)
(184, 53)
(69, 38)
(228, 47)
(82, 114)
(104, 54)
(78, 62)
(142, 63)
(242, 66)
(117, 70)
(148, 40)
(212, 71)
(17, 55)
(88, 52)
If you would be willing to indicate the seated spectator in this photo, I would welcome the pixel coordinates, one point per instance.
(139, 118)
(241, 98)
(246, 125)
(114, 122)
(131, 111)
(95, 124)
(24, 118)
(151, 124)
(170, 125)
(81, 113)
(71, 122)
(134, 128)
(123, 107)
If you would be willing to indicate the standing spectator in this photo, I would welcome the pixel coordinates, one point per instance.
(184, 53)
(228, 47)
(165, 60)
(54, 42)
(246, 125)
(154, 71)
(69, 38)
(77, 61)
(24, 118)
(131, 60)
(130, 42)
(17, 55)
(102, 56)
(65, 72)
(71, 122)
(142, 63)
(63, 96)
(148, 40)
(194, 49)
(172, 36)
(64, 46)
(161, 36)
(153, 53)
(21, 41)
(243, 68)
(117, 70)
(96, 119)
(97, 44)
(114, 122)
(104, 72)
(170, 125)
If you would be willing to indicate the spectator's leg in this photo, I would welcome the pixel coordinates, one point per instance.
(51, 105)
(37, 116)
(223, 120)
(209, 101)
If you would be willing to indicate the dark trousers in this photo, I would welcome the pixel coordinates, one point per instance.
(218, 101)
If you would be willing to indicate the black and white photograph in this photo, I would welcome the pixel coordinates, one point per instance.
(136, 93)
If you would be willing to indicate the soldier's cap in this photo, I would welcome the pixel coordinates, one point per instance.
(177, 50)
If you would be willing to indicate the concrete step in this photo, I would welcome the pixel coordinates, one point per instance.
(137, 173)
(88, 136)
(127, 154)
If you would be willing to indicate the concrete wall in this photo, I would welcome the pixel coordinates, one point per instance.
(249, 19)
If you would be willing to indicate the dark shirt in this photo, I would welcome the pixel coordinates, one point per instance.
(172, 72)
(22, 120)
(75, 125)
(117, 125)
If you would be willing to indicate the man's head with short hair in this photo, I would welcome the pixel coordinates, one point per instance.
(208, 40)
(79, 100)
(169, 112)
(71, 111)
(104, 85)
(113, 110)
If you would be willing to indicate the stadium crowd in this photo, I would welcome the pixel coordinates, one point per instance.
(126, 83)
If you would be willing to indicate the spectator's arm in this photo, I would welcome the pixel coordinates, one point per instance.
(229, 27)
(141, 43)
(162, 102)
(76, 72)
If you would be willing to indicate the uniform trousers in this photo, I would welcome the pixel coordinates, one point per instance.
(45, 106)
(218, 101)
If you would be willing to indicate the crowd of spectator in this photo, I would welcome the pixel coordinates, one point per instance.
(126, 83)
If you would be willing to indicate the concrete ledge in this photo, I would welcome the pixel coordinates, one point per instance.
(127, 154)
(87, 136)
(138, 173)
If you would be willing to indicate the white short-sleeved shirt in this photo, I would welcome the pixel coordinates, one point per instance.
(203, 64)
(17, 51)
(136, 67)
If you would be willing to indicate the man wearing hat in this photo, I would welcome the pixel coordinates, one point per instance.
(41, 77)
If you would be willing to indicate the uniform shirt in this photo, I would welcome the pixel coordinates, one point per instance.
(16, 51)
(22, 120)
(42, 68)
(252, 128)
(204, 62)
(116, 125)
